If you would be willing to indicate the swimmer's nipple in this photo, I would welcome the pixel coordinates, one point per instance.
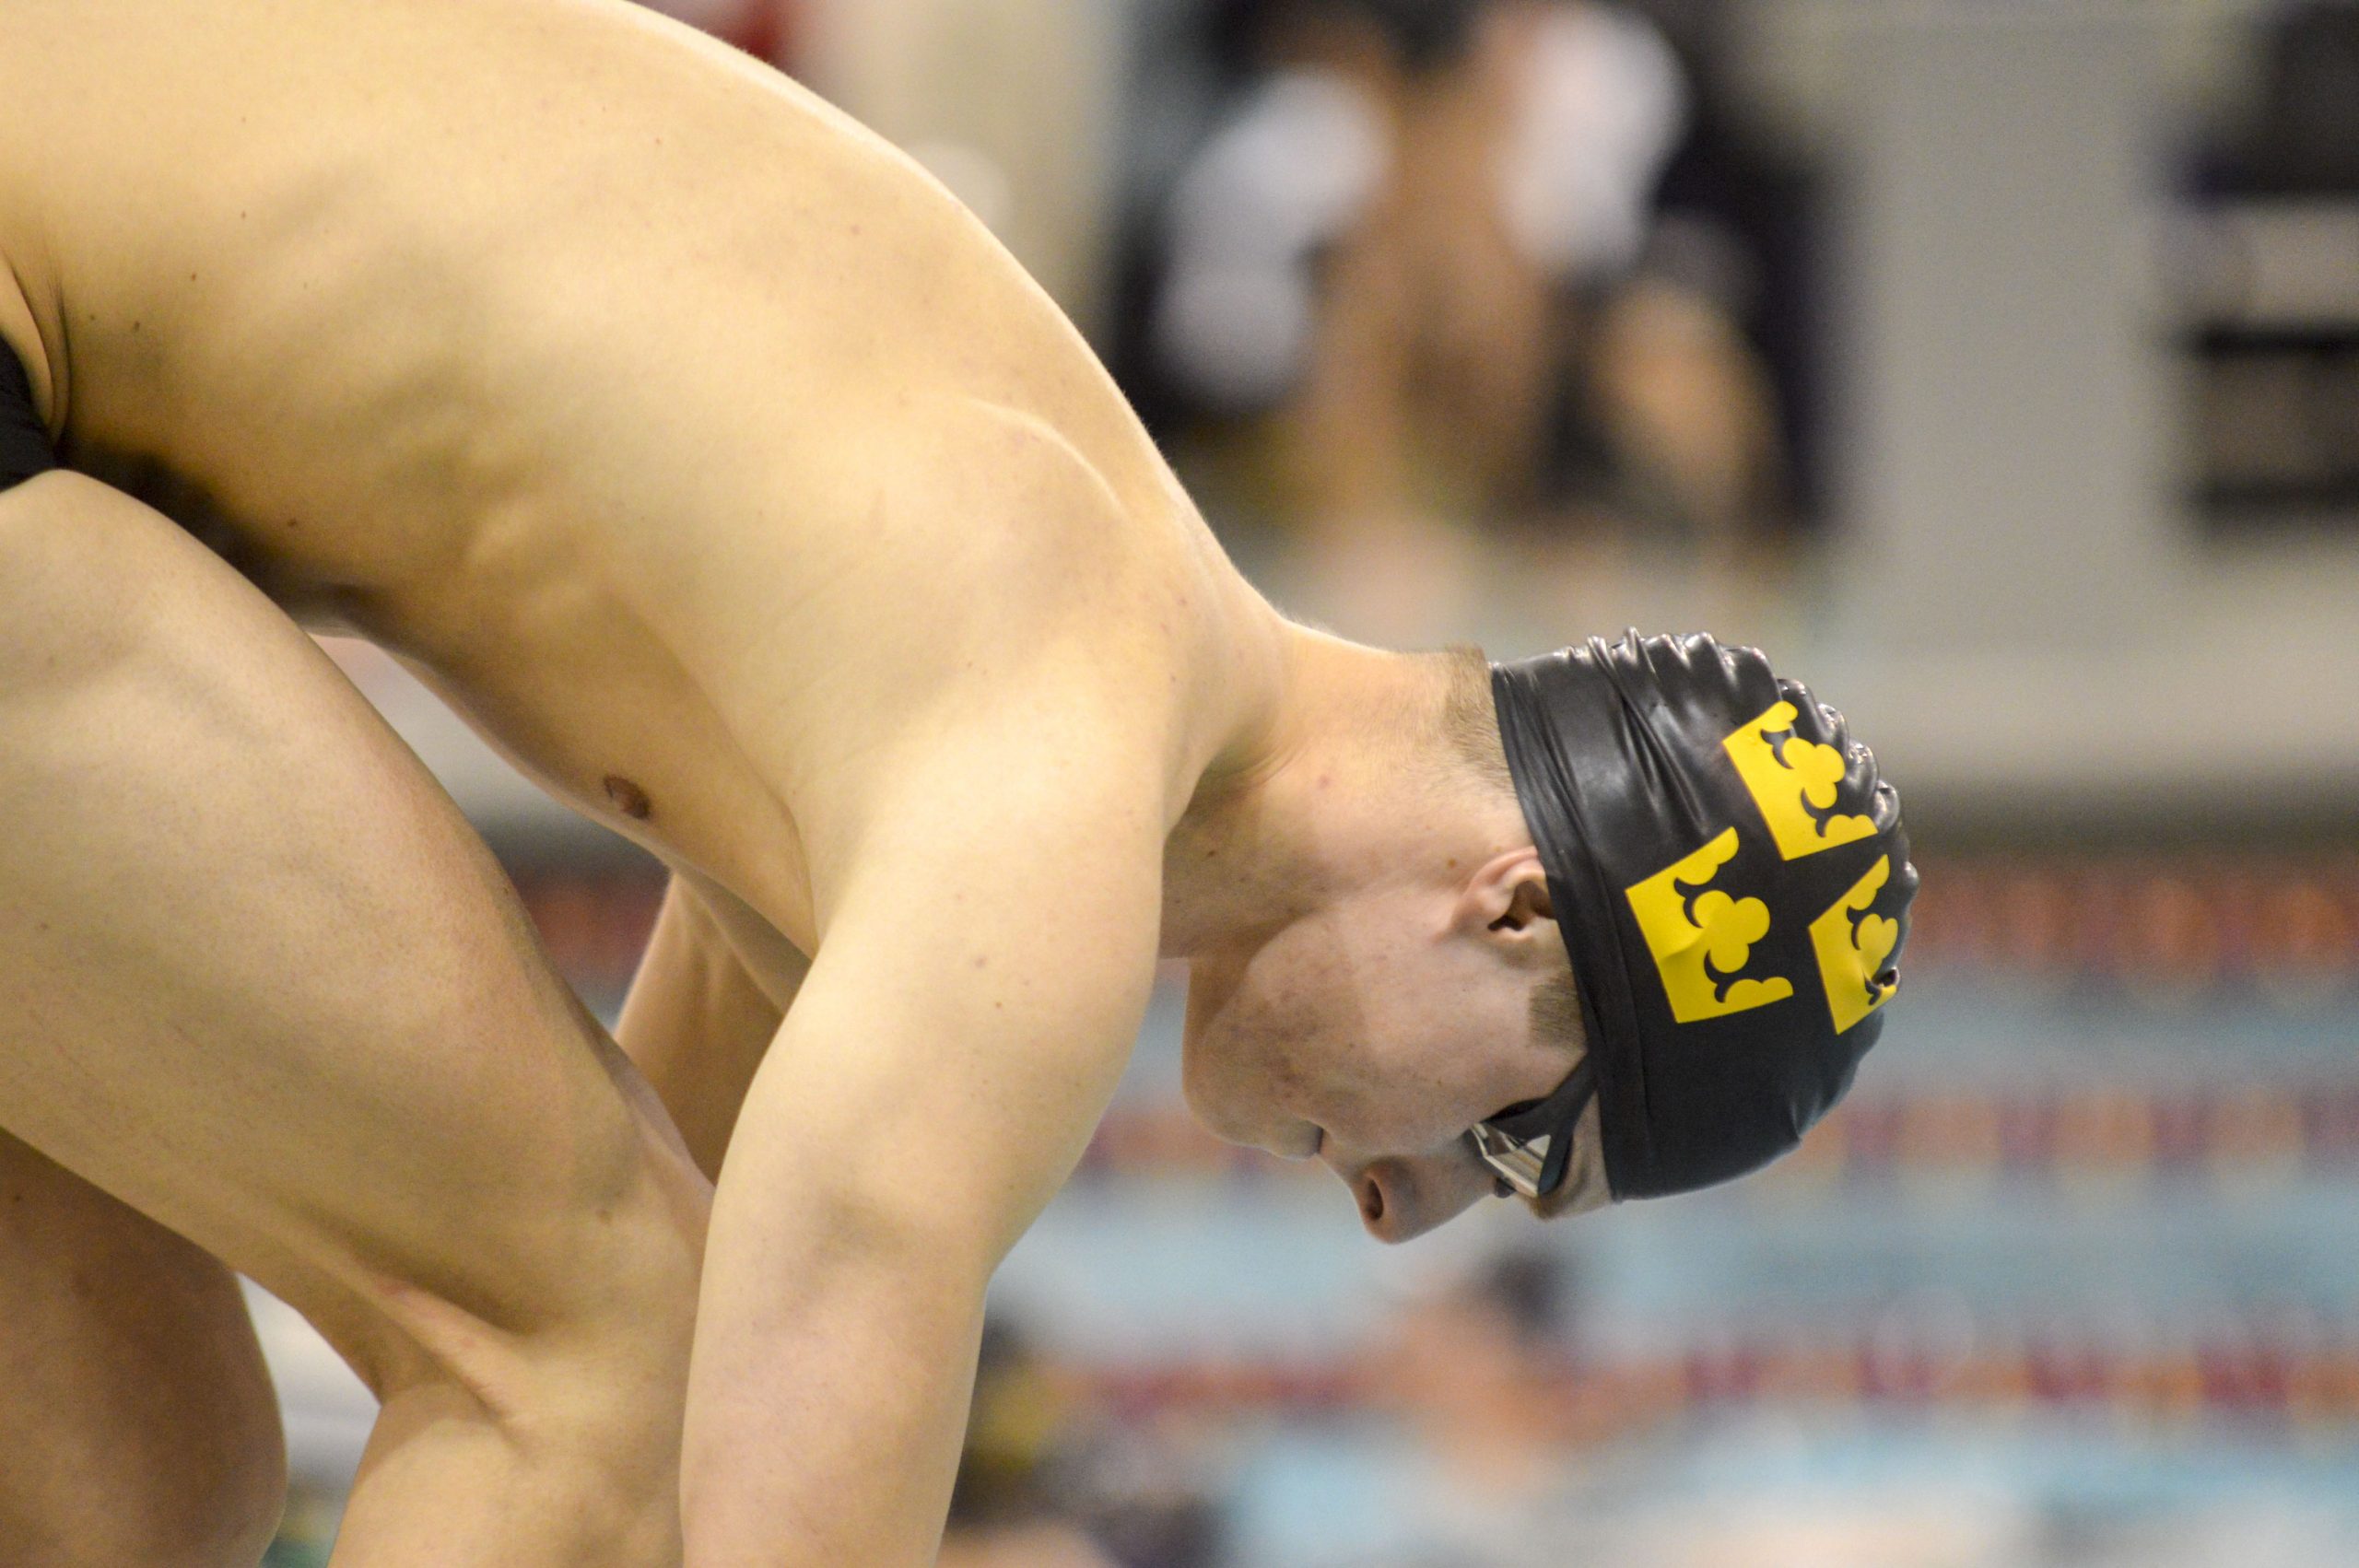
(628, 798)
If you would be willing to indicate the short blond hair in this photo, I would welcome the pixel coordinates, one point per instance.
(1470, 722)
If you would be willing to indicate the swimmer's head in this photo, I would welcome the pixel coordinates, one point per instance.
(1419, 987)
(1635, 943)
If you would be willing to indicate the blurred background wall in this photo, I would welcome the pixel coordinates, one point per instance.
(1996, 365)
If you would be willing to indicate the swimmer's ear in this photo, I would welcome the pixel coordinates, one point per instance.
(1507, 899)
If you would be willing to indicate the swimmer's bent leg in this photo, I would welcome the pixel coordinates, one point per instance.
(258, 982)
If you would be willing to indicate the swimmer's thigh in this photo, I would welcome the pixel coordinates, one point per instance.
(259, 981)
(136, 1421)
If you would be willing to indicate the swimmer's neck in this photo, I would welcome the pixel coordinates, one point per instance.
(1343, 785)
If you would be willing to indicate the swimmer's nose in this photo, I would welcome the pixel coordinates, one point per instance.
(1387, 1201)
(1367, 1188)
(1401, 1199)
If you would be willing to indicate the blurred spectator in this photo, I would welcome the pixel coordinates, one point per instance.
(1046, 1481)
(1418, 263)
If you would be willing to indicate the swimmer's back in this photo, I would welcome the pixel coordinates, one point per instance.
(434, 234)
(546, 338)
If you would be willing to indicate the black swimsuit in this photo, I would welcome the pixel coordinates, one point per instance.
(24, 440)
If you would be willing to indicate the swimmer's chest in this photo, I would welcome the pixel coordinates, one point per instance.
(408, 266)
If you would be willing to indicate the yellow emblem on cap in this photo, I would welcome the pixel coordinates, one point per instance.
(1698, 938)
(1851, 953)
(1787, 780)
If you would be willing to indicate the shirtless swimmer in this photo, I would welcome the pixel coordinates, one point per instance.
(729, 476)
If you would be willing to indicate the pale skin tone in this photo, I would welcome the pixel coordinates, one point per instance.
(734, 482)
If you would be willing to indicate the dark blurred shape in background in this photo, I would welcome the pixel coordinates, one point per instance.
(2269, 258)
(2298, 134)
(1438, 269)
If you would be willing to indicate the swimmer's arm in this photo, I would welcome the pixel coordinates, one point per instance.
(978, 989)
(697, 1022)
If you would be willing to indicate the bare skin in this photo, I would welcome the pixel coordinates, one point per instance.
(260, 985)
(728, 476)
(177, 1456)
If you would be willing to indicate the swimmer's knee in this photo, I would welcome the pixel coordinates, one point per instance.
(534, 1376)
(582, 1409)
(624, 1247)
(623, 1344)
(608, 1378)
(575, 1329)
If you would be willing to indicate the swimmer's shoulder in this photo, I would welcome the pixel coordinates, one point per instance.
(983, 570)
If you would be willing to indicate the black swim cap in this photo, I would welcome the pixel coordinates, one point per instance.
(1732, 883)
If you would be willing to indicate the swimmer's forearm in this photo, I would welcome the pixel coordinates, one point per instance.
(829, 1390)
(984, 960)
(871, 1188)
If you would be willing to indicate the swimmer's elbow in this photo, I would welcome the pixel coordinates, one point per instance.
(894, 1223)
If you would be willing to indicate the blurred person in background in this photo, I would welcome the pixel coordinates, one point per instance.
(1051, 1479)
(1420, 259)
